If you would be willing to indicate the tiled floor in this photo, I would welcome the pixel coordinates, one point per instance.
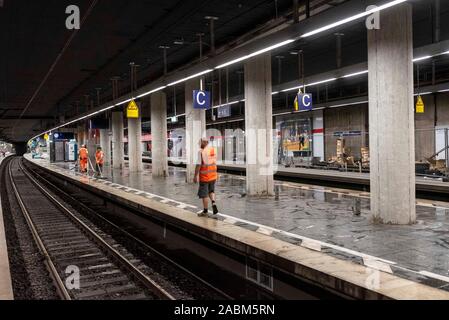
(320, 218)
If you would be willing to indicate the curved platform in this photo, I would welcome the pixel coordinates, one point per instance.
(349, 255)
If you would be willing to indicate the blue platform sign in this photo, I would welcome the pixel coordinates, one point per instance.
(305, 102)
(201, 99)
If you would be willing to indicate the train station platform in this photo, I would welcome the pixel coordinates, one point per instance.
(6, 292)
(360, 180)
(312, 231)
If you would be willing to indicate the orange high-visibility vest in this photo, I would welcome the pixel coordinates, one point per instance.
(208, 170)
(99, 157)
(84, 154)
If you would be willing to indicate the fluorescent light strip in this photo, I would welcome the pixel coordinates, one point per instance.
(321, 82)
(150, 92)
(355, 74)
(310, 85)
(278, 45)
(190, 77)
(291, 89)
(422, 94)
(348, 104)
(353, 18)
(422, 58)
(446, 90)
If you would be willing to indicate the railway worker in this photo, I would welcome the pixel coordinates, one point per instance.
(99, 159)
(83, 158)
(206, 174)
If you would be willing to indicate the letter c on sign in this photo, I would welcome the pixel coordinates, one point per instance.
(306, 101)
(198, 96)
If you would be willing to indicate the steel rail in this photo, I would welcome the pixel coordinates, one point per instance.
(149, 283)
(134, 238)
(59, 283)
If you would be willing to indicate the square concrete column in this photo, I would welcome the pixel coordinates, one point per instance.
(135, 145)
(159, 148)
(195, 129)
(105, 144)
(118, 157)
(391, 117)
(259, 126)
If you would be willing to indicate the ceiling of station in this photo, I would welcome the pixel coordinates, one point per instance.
(40, 80)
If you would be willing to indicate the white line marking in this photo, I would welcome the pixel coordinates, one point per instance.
(265, 231)
(311, 244)
(435, 276)
(296, 236)
(377, 265)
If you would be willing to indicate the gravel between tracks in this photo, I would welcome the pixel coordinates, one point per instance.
(30, 278)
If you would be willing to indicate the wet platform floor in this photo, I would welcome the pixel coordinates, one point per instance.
(316, 217)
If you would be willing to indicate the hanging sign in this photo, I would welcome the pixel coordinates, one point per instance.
(46, 137)
(132, 111)
(303, 102)
(201, 99)
(420, 107)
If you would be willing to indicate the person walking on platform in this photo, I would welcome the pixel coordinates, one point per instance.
(206, 171)
(99, 159)
(83, 158)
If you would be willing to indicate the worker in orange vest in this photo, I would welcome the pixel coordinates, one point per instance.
(206, 171)
(99, 159)
(83, 158)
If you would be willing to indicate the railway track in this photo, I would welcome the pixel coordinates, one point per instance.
(69, 244)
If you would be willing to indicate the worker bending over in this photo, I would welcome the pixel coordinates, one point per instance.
(206, 170)
(99, 159)
(83, 158)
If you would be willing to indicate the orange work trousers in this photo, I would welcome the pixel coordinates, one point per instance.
(83, 165)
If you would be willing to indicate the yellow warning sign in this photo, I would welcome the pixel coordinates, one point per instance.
(132, 111)
(46, 137)
(420, 107)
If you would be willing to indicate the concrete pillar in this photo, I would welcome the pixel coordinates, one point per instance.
(118, 158)
(391, 117)
(105, 144)
(195, 129)
(259, 126)
(135, 145)
(159, 140)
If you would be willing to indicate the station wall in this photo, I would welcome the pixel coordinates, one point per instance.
(351, 123)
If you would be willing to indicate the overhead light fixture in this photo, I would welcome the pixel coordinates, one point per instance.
(278, 45)
(291, 89)
(190, 77)
(152, 91)
(348, 104)
(321, 82)
(353, 18)
(446, 90)
(422, 58)
(355, 74)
